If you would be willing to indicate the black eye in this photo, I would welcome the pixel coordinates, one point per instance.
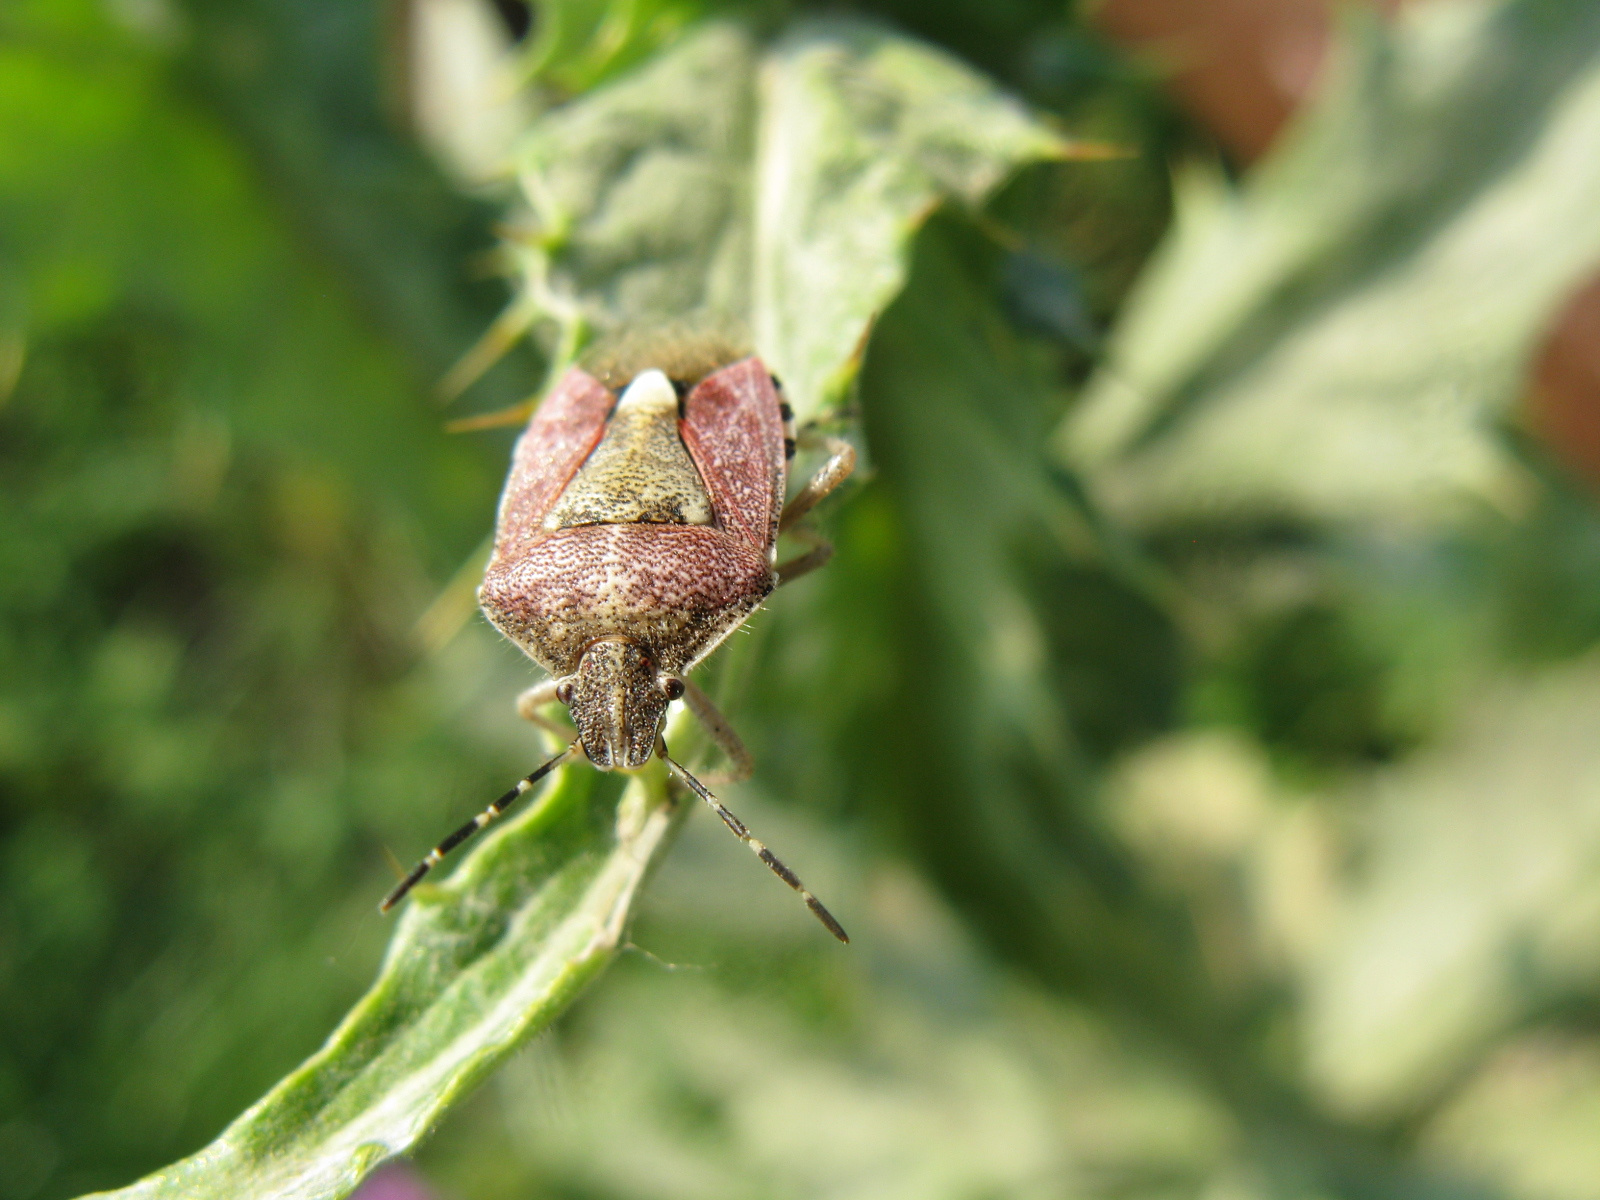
(673, 687)
(564, 692)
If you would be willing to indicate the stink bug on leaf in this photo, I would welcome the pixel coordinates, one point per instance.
(638, 528)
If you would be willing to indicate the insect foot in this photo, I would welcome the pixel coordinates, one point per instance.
(638, 529)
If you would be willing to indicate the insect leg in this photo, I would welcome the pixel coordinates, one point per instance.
(534, 699)
(774, 864)
(740, 765)
(821, 551)
(841, 461)
(495, 810)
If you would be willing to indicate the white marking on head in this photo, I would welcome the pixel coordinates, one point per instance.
(650, 389)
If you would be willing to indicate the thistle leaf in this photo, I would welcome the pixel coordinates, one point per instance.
(769, 195)
(1336, 338)
(478, 964)
(774, 193)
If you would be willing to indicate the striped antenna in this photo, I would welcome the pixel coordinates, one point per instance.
(773, 862)
(494, 811)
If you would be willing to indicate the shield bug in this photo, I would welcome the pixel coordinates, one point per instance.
(638, 528)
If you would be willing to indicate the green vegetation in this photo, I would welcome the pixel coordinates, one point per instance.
(1198, 729)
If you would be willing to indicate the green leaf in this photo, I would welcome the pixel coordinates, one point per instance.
(578, 44)
(634, 196)
(650, 202)
(477, 965)
(1526, 1118)
(862, 134)
(816, 1073)
(1477, 906)
(990, 773)
(769, 194)
(1337, 336)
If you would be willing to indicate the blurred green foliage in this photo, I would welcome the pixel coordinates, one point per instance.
(225, 495)
(1216, 805)
(786, 207)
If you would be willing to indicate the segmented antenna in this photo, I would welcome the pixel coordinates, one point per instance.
(741, 832)
(495, 810)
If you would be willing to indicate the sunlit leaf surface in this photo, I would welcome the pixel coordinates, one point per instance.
(1477, 899)
(1212, 808)
(768, 194)
(1338, 336)
(645, 197)
(862, 133)
(477, 964)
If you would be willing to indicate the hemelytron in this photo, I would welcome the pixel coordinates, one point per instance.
(638, 528)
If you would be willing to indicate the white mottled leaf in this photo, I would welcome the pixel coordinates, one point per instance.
(1338, 336)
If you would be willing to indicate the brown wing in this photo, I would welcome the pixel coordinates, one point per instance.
(733, 426)
(560, 435)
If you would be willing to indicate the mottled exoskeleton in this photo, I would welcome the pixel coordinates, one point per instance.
(638, 528)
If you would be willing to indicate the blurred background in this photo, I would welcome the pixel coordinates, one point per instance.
(1211, 783)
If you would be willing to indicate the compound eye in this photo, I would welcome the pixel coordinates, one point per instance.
(673, 687)
(564, 691)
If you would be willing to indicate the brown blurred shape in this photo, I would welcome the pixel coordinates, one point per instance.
(1563, 401)
(1240, 68)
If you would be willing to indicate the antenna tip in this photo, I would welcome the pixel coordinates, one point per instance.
(827, 918)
